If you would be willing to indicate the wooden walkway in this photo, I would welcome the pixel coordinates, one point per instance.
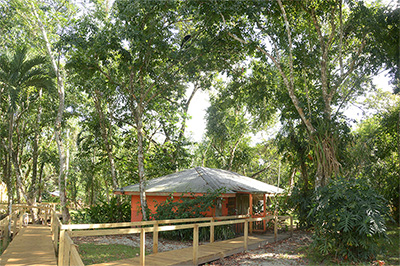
(32, 246)
(207, 252)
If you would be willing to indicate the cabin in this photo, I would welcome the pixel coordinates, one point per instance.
(243, 195)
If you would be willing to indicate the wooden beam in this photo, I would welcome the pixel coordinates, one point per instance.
(196, 244)
(155, 238)
(246, 234)
(142, 246)
(212, 231)
(251, 211)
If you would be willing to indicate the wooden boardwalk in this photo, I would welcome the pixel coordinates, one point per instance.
(207, 252)
(32, 246)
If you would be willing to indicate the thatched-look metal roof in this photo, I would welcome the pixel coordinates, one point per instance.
(203, 180)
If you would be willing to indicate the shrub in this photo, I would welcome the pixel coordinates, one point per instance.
(191, 207)
(301, 202)
(115, 211)
(349, 220)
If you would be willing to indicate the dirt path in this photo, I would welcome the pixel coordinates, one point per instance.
(285, 252)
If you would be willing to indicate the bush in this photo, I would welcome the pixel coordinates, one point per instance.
(191, 207)
(115, 211)
(349, 220)
(301, 202)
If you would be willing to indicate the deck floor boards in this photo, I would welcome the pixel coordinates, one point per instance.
(33, 245)
(207, 252)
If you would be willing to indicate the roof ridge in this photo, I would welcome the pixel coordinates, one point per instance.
(206, 177)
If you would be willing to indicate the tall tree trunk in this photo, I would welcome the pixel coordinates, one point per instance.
(58, 128)
(142, 178)
(39, 196)
(183, 126)
(35, 154)
(106, 138)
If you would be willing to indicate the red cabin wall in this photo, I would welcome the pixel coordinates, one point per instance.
(136, 214)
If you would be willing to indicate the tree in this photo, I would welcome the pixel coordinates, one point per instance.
(48, 18)
(18, 75)
(375, 151)
(318, 49)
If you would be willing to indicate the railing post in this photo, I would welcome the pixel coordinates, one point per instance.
(291, 226)
(6, 234)
(155, 238)
(196, 244)
(45, 216)
(276, 228)
(61, 249)
(246, 234)
(212, 230)
(15, 219)
(142, 247)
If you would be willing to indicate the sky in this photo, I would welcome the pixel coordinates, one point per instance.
(197, 110)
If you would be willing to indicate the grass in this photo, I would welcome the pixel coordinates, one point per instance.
(92, 253)
(392, 251)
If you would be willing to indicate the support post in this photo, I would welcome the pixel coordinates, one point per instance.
(276, 228)
(6, 235)
(15, 220)
(251, 211)
(246, 234)
(265, 214)
(45, 216)
(155, 238)
(196, 244)
(212, 230)
(61, 249)
(142, 247)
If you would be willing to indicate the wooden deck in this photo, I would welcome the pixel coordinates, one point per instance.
(32, 246)
(207, 252)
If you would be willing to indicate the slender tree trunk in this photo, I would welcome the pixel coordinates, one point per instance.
(232, 154)
(58, 128)
(35, 154)
(106, 139)
(40, 183)
(183, 126)
(142, 177)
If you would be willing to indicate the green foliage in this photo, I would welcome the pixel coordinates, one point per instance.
(379, 166)
(349, 220)
(104, 212)
(301, 202)
(191, 207)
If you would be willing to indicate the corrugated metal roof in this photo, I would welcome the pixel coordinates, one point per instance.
(202, 180)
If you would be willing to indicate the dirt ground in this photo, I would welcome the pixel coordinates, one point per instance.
(134, 241)
(282, 253)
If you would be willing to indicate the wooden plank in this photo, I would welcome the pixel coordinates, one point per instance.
(212, 231)
(246, 234)
(75, 258)
(206, 253)
(108, 232)
(61, 249)
(142, 247)
(195, 244)
(155, 238)
(31, 246)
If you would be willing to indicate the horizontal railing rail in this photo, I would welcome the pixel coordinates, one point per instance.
(156, 226)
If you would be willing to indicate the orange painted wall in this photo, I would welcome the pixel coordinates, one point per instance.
(136, 214)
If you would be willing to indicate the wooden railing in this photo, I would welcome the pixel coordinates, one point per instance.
(68, 253)
(67, 246)
(60, 238)
(17, 220)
